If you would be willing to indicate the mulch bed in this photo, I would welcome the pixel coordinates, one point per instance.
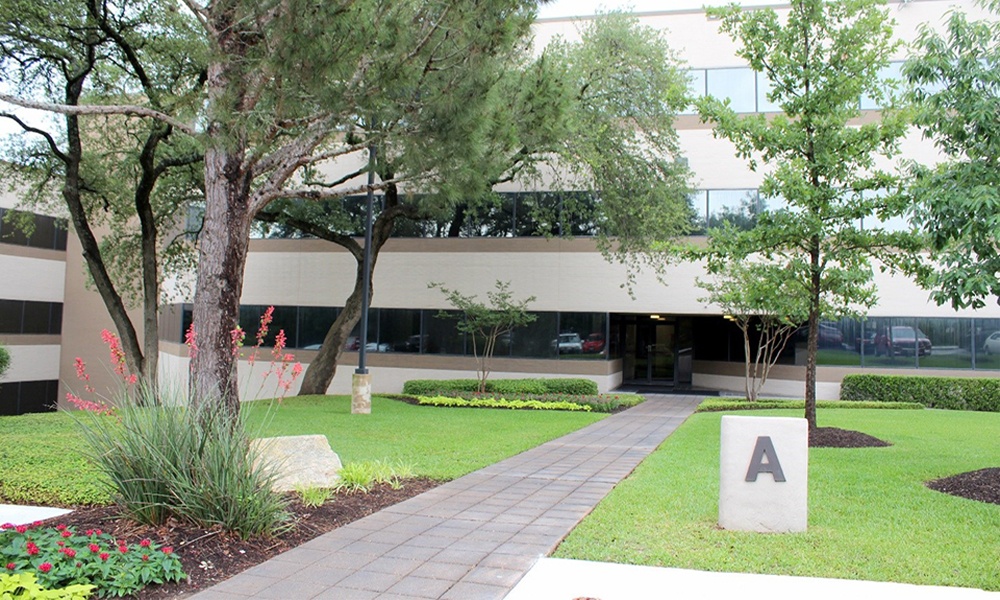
(210, 556)
(982, 485)
(832, 437)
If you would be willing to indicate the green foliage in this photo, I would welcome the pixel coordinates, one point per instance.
(24, 586)
(952, 393)
(723, 404)
(606, 403)
(4, 360)
(485, 323)
(362, 476)
(500, 402)
(428, 387)
(870, 515)
(313, 496)
(61, 556)
(765, 302)
(820, 61)
(44, 463)
(955, 88)
(164, 459)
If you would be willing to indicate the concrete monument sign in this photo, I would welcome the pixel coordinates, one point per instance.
(763, 474)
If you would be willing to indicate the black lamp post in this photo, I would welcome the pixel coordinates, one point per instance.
(361, 388)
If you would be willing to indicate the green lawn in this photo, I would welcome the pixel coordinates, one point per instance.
(40, 460)
(870, 516)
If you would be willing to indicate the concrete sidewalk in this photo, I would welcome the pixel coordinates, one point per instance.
(475, 537)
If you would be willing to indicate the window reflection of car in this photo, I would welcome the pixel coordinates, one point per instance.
(906, 340)
(829, 336)
(594, 343)
(992, 344)
(568, 343)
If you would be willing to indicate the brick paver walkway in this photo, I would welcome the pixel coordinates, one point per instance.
(474, 537)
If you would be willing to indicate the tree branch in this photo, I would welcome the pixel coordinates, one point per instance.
(107, 109)
(48, 138)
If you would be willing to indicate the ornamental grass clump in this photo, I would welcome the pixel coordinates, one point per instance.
(61, 556)
(165, 457)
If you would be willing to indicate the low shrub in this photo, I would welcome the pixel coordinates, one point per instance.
(313, 496)
(4, 359)
(506, 387)
(166, 459)
(953, 393)
(24, 586)
(721, 404)
(603, 403)
(61, 556)
(363, 475)
(500, 402)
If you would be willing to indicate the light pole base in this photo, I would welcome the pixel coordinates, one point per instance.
(361, 394)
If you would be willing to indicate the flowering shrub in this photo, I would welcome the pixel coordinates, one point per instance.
(501, 403)
(60, 556)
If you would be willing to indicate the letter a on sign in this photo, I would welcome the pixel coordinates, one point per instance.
(764, 447)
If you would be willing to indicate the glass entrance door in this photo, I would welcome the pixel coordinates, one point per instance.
(649, 347)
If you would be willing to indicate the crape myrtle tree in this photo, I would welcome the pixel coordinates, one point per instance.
(816, 155)
(486, 321)
(763, 299)
(593, 115)
(123, 181)
(955, 81)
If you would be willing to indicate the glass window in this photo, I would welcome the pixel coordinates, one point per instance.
(987, 343)
(945, 343)
(11, 313)
(738, 207)
(735, 84)
(763, 88)
(839, 342)
(696, 89)
(399, 329)
(538, 214)
(537, 339)
(440, 333)
(590, 328)
(314, 323)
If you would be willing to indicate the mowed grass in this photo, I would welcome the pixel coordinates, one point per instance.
(870, 515)
(41, 459)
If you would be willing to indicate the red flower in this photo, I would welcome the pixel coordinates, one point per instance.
(7, 526)
(11, 566)
(123, 549)
(97, 532)
(60, 544)
(66, 534)
(94, 548)
(145, 557)
(21, 528)
(31, 548)
(144, 543)
(45, 567)
(104, 555)
(90, 532)
(36, 523)
(61, 527)
(167, 550)
(69, 552)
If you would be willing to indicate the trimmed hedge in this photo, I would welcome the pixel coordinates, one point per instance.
(431, 387)
(721, 404)
(952, 393)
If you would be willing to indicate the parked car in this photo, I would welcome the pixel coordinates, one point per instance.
(992, 344)
(594, 343)
(830, 336)
(568, 343)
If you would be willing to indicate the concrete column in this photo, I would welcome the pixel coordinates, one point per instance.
(361, 394)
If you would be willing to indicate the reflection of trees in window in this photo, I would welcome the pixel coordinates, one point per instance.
(739, 207)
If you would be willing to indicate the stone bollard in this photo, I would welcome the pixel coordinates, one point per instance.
(763, 474)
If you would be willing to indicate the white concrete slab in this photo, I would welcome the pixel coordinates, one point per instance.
(561, 579)
(23, 515)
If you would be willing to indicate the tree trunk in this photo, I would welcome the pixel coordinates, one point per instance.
(812, 345)
(150, 266)
(222, 257)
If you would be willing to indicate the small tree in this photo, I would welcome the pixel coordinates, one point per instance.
(486, 323)
(4, 360)
(757, 297)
